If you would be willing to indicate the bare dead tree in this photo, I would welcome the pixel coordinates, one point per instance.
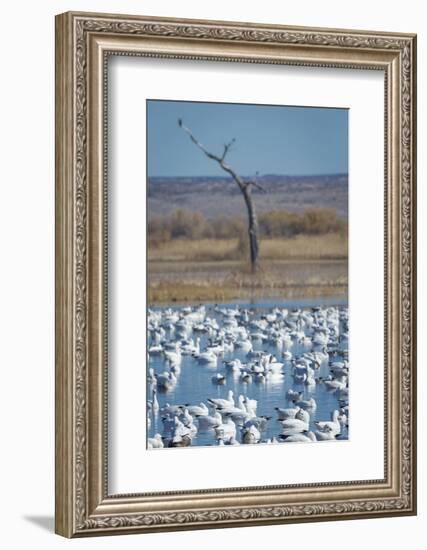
(244, 186)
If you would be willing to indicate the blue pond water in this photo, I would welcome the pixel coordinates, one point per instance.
(194, 381)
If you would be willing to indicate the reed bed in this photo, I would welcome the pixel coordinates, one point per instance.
(330, 246)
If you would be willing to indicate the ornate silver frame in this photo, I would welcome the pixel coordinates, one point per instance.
(83, 505)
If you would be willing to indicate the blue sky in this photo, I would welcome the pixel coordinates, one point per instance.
(269, 139)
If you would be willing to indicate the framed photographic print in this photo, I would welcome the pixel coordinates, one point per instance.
(235, 274)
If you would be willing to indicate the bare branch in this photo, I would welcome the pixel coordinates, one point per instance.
(219, 160)
(257, 185)
(227, 147)
(197, 142)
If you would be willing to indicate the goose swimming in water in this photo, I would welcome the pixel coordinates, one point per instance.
(155, 403)
(173, 357)
(188, 422)
(198, 410)
(327, 434)
(248, 339)
(260, 422)
(206, 358)
(287, 355)
(244, 345)
(303, 437)
(218, 379)
(166, 381)
(342, 394)
(303, 415)
(155, 442)
(223, 403)
(291, 395)
(250, 435)
(246, 377)
(155, 349)
(332, 426)
(233, 366)
(285, 414)
(293, 426)
(171, 410)
(190, 348)
(207, 422)
(307, 404)
(151, 378)
(175, 434)
(251, 404)
(226, 430)
(334, 384)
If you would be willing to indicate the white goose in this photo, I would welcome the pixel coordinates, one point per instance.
(155, 442)
(206, 358)
(333, 426)
(188, 422)
(285, 414)
(325, 435)
(173, 357)
(307, 404)
(303, 415)
(301, 438)
(333, 384)
(233, 366)
(171, 410)
(190, 348)
(207, 422)
(226, 430)
(198, 410)
(155, 349)
(166, 380)
(155, 403)
(244, 345)
(293, 426)
(291, 395)
(251, 435)
(218, 379)
(251, 405)
(223, 403)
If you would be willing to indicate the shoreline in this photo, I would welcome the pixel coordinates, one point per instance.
(224, 295)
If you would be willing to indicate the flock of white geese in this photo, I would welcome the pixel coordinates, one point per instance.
(320, 332)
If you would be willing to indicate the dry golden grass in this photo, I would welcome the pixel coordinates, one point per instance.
(179, 292)
(192, 250)
(215, 270)
(331, 246)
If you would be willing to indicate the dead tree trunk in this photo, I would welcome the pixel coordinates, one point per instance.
(252, 226)
(244, 186)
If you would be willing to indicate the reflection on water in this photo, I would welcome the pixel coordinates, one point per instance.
(194, 383)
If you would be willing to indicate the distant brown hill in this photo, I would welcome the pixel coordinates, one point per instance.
(217, 196)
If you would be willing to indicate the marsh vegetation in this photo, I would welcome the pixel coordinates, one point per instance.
(193, 259)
